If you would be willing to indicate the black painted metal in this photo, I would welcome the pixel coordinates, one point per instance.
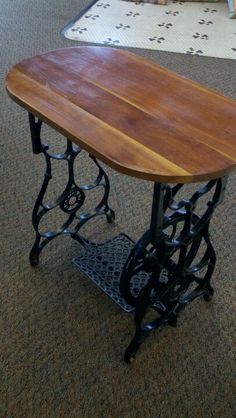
(169, 266)
(178, 242)
(72, 198)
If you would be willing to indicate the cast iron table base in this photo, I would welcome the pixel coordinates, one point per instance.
(169, 266)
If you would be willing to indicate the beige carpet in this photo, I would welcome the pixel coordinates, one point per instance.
(185, 27)
(61, 339)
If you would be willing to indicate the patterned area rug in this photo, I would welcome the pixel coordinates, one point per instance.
(189, 28)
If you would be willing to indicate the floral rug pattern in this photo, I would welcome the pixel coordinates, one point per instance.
(190, 28)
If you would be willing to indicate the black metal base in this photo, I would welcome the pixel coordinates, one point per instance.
(177, 242)
(169, 266)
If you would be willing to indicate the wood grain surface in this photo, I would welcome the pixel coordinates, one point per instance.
(139, 118)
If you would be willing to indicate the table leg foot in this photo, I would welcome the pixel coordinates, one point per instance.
(173, 322)
(132, 349)
(34, 258)
(110, 215)
(209, 293)
(34, 253)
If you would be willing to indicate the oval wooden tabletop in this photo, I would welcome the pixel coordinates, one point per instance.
(136, 116)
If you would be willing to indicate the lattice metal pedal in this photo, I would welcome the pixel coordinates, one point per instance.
(103, 264)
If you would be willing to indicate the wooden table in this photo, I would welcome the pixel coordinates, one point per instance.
(143, 121)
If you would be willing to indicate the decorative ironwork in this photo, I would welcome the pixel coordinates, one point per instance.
(173, 244)
(73, 201)
(72, 198)
(108, 259)
(169, 266)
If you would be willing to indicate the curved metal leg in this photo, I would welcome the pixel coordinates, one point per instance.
(170, 252)
(71, 199)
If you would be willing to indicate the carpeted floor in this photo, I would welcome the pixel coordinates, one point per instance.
(62, 340)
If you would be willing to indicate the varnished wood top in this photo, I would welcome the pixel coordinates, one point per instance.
(136, 116)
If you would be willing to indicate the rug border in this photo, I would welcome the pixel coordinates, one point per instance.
(82, 12)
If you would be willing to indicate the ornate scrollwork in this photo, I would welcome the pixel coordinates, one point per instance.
(71, 199)
(178, 244)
